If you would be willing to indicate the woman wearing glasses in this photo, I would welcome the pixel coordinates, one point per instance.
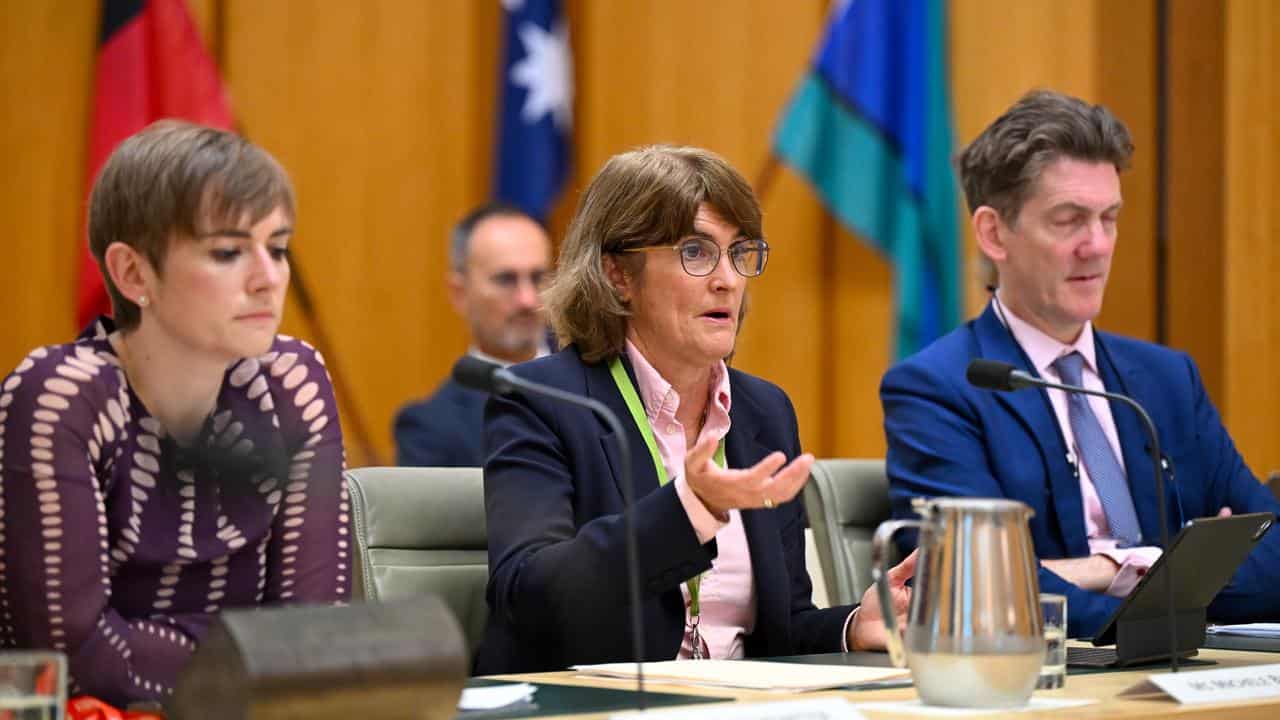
(647, 300)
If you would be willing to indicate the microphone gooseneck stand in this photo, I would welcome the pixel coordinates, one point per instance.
(999, 376)
(489, 377)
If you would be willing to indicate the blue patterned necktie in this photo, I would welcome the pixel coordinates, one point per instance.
(1099, 457)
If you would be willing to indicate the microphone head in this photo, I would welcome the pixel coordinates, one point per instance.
(990, 374)
(474, 373)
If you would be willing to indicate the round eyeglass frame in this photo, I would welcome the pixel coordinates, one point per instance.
(755, 244)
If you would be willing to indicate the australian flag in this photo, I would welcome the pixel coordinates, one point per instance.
(536, 106)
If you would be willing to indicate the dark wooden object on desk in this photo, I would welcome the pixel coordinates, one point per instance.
(399, 660)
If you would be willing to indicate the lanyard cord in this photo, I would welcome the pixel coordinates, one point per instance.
(636, 408)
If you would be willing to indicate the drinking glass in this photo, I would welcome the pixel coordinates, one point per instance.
(33, 685)
(1053, 673)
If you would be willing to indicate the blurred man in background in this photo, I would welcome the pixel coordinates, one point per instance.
(498, 258)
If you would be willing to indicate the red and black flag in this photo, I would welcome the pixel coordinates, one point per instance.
(152, 64)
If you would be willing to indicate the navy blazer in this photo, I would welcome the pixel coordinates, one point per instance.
(947, 437)
(445, 430)
(558, 574)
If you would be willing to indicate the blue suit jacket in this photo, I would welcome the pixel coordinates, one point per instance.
(947, 437)
(445, 430)
(558, 573)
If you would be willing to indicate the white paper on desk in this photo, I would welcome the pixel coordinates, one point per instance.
(750, 674)
(814, 709)
(1261, 630)
(916, 707)
(495, 696)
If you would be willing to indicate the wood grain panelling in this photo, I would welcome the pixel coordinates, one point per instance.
(382, 110)
(1252, 305)
(1196, 191)
(999, 51)
(1099, 50)
(716, 74)
(376, 110)
(46, 66)
(860, 325)
(1125, 81)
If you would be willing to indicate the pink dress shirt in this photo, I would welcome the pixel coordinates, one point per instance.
(1043, 350)
(727, 596)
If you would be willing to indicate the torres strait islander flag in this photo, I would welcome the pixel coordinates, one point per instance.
(151, 65)
(870, 128)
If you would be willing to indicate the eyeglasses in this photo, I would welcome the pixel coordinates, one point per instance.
(699, 256)
(511, 280)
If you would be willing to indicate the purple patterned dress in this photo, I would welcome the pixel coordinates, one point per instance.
(117, 545)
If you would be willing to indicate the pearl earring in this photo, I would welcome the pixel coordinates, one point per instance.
(142, 300)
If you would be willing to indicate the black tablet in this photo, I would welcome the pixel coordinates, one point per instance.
(1203, 557)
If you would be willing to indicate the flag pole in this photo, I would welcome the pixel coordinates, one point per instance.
(298, 285)
(300, 288)
(765, 178)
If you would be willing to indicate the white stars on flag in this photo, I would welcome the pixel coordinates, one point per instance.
(546, 74)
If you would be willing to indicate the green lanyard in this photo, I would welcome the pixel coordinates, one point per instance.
(623, 381)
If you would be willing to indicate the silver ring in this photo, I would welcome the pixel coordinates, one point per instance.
(768, 503)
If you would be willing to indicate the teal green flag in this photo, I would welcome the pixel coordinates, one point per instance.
(870, 128)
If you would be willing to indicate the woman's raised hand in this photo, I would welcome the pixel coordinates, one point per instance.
(766, 484)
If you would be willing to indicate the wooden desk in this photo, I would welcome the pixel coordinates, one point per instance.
(1103, 687)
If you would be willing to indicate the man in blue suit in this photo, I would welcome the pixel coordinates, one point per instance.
(1042, 183)
(498, 258)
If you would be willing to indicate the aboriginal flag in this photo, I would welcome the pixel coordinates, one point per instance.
(151, 65)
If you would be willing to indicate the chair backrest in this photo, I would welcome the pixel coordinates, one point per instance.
(422, 530)
(846, 500)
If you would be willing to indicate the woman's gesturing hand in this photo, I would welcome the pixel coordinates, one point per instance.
(867, 632)
(763, 485)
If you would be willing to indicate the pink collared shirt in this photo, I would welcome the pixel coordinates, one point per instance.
(726, 596)
(1043, 350)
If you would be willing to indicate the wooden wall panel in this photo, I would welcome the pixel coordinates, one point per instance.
(860, 324)
(383, 113)
(1099, 50)
(46, 67)
(1252, 304)
(718, 86)
(1124, 79)
(1196, 281)
(375, 109)
(999, 51)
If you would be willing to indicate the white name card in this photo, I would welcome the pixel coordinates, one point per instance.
(1224, 685)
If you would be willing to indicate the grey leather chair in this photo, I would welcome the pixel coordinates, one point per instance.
(846, 500)
(422, 530)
